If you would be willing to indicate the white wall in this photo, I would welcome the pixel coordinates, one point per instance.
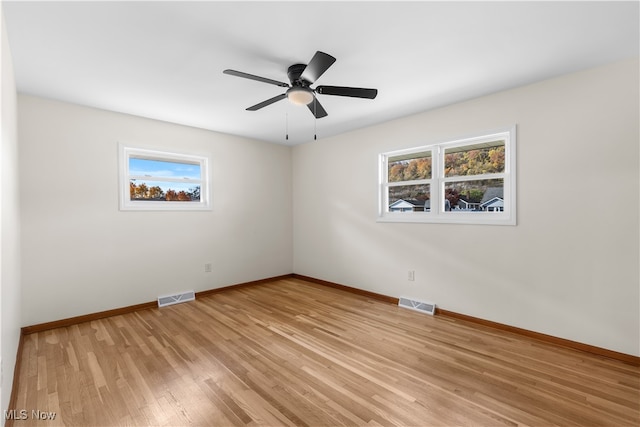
(81, 254)
(568, 269)
(9, 223)
(570, 266)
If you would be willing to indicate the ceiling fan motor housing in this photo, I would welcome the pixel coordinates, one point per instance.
(294, 72)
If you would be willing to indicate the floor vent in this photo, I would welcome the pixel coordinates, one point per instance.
(176, 298)
(421, 306)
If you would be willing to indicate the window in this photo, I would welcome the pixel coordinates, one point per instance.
(468, 181)
(157, 180)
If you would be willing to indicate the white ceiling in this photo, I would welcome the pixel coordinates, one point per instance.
(164, 60)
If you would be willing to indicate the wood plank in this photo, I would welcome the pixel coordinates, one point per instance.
(293, 352)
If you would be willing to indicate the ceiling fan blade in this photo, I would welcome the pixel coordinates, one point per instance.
(316, 109)
(257, 78)
(354, 92)
(267, 102)
(317, 66)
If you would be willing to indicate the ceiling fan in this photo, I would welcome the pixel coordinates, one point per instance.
(300, 92)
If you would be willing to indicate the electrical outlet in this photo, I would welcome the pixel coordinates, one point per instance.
(411, 275)
(207, 267)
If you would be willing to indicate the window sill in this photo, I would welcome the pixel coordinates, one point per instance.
(454, 218)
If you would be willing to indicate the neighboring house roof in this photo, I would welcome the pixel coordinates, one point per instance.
(464, 204)
(492, 193)
(409, 203)
(496, 202)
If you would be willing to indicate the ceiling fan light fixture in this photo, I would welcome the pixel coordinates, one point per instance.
(300, 95)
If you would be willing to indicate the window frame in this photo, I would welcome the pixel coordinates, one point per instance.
(127, 151)
(437, 182)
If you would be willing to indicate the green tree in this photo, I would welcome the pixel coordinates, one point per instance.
(195, 193)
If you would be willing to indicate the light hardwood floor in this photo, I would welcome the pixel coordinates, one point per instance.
(297, 353)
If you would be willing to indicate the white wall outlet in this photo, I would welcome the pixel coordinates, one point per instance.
(207, 267)
(411, 275)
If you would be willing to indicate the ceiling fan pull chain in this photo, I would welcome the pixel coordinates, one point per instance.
(286, 126)
(315, 119)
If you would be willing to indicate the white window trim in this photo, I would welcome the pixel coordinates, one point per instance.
(125, 151)
(437, 183)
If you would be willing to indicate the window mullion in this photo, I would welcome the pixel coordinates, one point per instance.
(436, 189)
(163, 179)
(412, 182)
(474, 177)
